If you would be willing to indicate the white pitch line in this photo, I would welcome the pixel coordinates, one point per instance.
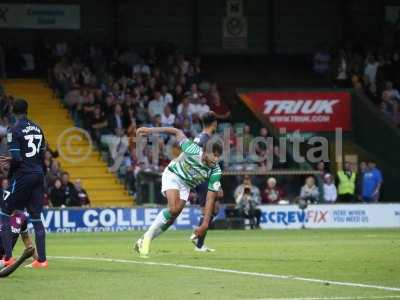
(220, 270)
(334, 298)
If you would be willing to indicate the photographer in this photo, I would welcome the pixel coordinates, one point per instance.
(247, 197)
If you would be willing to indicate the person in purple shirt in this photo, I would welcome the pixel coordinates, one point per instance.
(371, 184)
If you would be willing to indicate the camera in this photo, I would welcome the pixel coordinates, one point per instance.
(247, 190)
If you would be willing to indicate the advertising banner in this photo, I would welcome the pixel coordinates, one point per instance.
(308, 111)
(113, 219)
(272, 217)
(39, 16)
(331, 216)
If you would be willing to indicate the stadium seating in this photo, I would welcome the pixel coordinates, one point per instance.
(102, 186)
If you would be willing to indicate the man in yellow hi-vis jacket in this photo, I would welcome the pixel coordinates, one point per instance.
(346, 183)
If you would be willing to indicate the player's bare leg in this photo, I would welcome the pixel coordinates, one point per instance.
(163, 221)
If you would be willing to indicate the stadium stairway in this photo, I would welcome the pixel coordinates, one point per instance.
(76, 154)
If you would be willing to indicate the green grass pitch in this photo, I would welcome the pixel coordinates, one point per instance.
(369, 257)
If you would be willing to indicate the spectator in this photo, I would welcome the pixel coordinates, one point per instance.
(329, 188)
(187, 128)
(116, 122)
(98, 124)
(156, 106)
(80, 196)
(360, 179)
(220, 109)
(264, 132)
(247, 197)
(194, 93)
(61, 49)
(166, 97)
(57, 194)
(167, 117)
(247, 138)
(341, 75)
(272, 194)
(201, 107)
(142, 114)
(196, 125)
(54, 172)
(390, 107)
(186, 108)
(371, 69)
(279, 159)
(346, 182)
(309, 192)
(68, 188)
(391, 92)
(321, 167)
(372, 183)
(117, 140)
(178, 94)
(322, 60)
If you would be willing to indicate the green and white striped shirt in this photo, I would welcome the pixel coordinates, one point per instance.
(189, 167)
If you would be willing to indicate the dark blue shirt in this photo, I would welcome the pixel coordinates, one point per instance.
(202, 139)
(26, 145)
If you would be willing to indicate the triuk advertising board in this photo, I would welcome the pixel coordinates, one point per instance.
(307, 111)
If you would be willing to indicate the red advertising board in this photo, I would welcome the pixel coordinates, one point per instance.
(308, 111)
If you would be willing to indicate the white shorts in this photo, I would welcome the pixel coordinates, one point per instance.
(171, 181)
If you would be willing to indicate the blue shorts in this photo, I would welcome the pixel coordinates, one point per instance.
(26, 191)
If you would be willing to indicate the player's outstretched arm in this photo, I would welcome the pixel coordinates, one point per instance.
(144, 131)
(208, 212)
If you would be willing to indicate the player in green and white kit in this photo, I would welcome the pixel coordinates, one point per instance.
(193, 166)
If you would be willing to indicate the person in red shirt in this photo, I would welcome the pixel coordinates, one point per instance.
(220, 109)
(272, 194)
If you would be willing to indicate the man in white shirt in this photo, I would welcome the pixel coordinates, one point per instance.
(330, 191)
(186, 106)
(165, 96)
(201, 107)
(370, 69)
(157, 105)
(167, 117)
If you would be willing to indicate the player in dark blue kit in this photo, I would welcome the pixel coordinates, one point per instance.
(27, 147)
(209, 122)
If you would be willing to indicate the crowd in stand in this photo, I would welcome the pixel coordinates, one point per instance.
(111, 92)
(376, 73)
